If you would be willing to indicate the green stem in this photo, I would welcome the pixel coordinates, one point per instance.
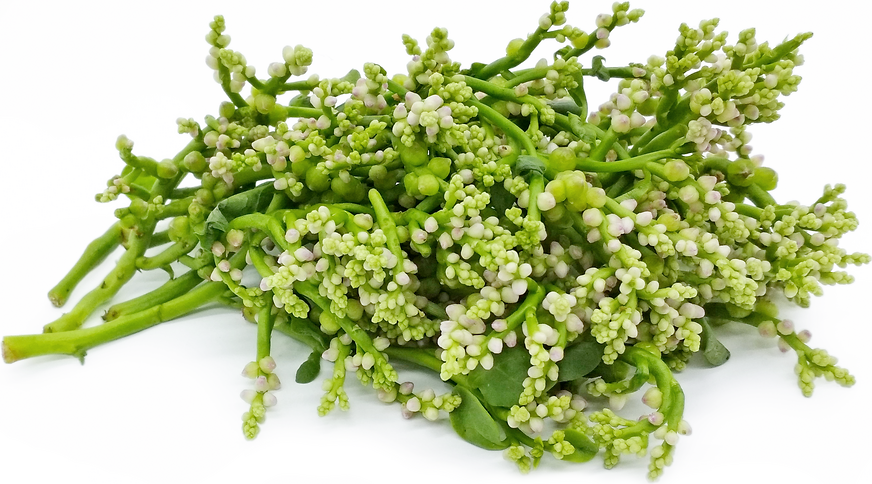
(77, 342)
(511, 129)
(301, 112)
(605, 144)
(759, 196)
(168, 291)
(265, 323)
(629, 164)
(510, 61)
(168, 256)
(120, 274)
(94, 254)
(393, 86)
(261, 222)
(297, 86)
(537, 186)
(224, 75)
(611, 72)
(386, 224)
(159, 238)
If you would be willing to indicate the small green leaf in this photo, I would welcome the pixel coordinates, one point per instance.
(579, 360)
(582, 129)
(255, 200)
(597, 68)
(501, 386)
(310, 368)
(585, 449)
(500, 199)
(617, 371)
(474, 424)
(529, 164)
(308, 333)
(712, 350)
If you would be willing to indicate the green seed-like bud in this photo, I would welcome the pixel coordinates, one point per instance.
(676, 170)
(328, 323)
(317, 181)
(575, 189)
(514, 46)
(226, 110)
(129, 221)
(765, 177)
(441, 167)
(428, 185)
(139, 207)
(208, 181)
(739, 172)
(415, 155)
(561, 159)
(410, 182)
(264, 102)
(596, 197)
(167, 169)
(194, 162)
(558, 189)
(179, 228)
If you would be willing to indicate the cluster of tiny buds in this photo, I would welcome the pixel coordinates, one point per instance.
(264, 381)
(770, 329)
(426, 403)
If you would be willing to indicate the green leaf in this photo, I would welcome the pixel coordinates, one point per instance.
(500, 199)
(712, 350)
(501, 386)
(617, 371)
(308, 333)
(579, 360)
(474, 424)
(529, 164)
(585, 449)
(597, 68)
(310, 368)
(582, 129)
(255, 200)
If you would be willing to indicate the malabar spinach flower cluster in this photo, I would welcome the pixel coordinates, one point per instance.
(484, 223)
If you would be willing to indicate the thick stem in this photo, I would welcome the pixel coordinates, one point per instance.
(94, 254)
(630, 164)
(77, 342)
(508, 127)
(513, 60)
(387, 225)
(168, 256)
(265, 323)
(168, 291)
(120, 274)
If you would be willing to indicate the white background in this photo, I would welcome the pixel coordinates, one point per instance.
(163, 404)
